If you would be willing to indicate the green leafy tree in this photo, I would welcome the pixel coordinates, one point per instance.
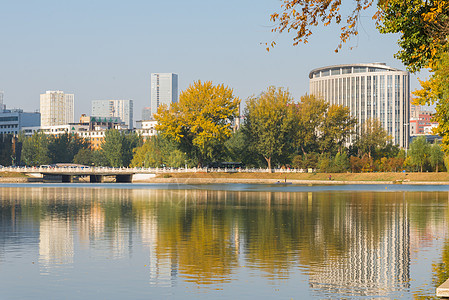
(177, 159)
(35, 150)
(341, 163)
(6, 149)
(388, 150)
(64, 147)
(201, 121)
(98, 158)
(419, 152)
(238, 150)
(371, 136)
(157, 152)
(269, 124)
(142, 154)
(311, 112)
(236, 146)
(118, 147)
(325, 163)
(84, 156)
(306, 161)
(336, 128)
(322, 127)
(298, 162)
(436, 157)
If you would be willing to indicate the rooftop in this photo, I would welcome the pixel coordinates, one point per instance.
(349, 69)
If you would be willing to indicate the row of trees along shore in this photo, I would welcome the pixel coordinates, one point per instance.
(276, 131)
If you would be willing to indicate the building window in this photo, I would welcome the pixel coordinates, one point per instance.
(347, 70)
(335, 71)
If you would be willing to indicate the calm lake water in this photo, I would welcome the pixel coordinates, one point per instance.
(239, 241)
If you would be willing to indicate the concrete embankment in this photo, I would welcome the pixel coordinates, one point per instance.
(14, 179)
(277, 181)
(260, 181)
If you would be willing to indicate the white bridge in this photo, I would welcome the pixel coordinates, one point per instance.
(66, 174)
(97, 174)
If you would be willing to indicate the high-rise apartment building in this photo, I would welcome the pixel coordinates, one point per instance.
(122, 109)
(164, 90)
(56, 108)
(371, 91)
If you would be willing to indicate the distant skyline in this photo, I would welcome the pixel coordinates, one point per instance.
(108, 49)
(121, 108)
(164, 90)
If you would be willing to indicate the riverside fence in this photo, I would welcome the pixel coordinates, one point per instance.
(123, 170)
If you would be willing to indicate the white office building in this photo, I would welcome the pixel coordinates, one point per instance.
(57, 108)
(371, 91)
(122, 109)
(146, 128)
(164, 90)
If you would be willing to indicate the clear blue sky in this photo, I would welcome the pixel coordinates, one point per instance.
(100, 49)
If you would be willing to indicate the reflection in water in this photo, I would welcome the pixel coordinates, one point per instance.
(55, 242)
(347, 244)
(378, 256)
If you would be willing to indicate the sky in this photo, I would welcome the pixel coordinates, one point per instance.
(98, 49)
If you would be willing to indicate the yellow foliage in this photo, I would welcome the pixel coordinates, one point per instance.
(424, 25)
(435, 90)
(202, 117)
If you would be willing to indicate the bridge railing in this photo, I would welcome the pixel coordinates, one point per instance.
(86, 170)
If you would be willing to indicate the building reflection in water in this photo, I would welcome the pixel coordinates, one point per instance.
(55, 242)
(348, 244)
(377, 260)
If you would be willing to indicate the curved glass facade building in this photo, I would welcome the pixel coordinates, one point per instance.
(371, 91)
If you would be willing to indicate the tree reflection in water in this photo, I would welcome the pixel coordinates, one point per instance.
(347, 243)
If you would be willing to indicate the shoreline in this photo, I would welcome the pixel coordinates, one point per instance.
(203, 180)
(282, 182)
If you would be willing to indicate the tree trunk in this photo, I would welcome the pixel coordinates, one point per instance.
(268, 159)
(304, 152)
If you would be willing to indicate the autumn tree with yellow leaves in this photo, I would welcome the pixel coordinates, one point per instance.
(435, 90)
(423, 26)
(201, 121)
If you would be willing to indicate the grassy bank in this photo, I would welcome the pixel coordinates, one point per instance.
(418, 177)
(12, 175)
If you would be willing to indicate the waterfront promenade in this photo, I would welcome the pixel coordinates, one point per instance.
(217, 176)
